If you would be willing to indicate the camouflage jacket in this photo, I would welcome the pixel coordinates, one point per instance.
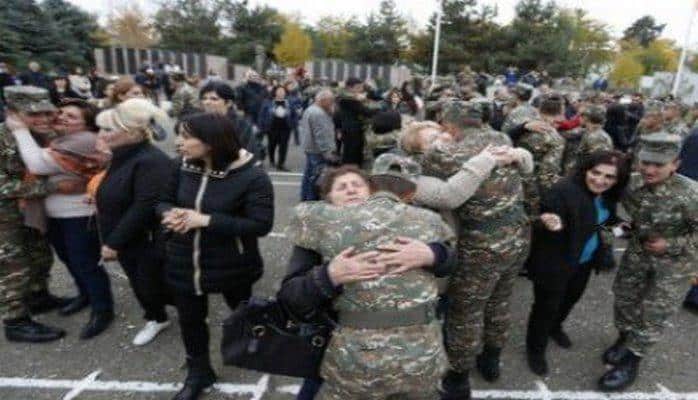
(184, 100)
(14, 184)
(329, 230)
(519, 115)
(497, 205)
(573, 139)
(678, 127)
(548, 151)
(668, 210)
(591, 142)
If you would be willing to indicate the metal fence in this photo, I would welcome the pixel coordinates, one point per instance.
(128, 61)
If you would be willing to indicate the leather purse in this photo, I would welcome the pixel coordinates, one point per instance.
(261, 335)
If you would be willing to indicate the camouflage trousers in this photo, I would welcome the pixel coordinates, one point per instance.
(25, 263)
(478, 296)
(648, 291)
(384, 364)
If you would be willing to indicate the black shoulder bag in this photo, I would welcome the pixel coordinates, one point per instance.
(261, 335)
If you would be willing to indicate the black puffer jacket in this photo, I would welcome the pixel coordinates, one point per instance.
(128, 194)
(225, 254)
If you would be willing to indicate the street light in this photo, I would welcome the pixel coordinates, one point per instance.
(684, 51)
(437, 38)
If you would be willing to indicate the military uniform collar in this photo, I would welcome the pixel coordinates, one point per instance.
(385, 195)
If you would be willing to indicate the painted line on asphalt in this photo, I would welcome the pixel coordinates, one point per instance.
(277, 183)
(258, 389)
(288, 174)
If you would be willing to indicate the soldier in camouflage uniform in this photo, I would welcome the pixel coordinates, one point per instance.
(673, 121)
(593, 138)
(185, 99)
(661, 256)
(493, 243)
(523, 111)
(25, 256)
(389, 344)
(547, 147)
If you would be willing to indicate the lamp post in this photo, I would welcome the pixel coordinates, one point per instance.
(437, 38)
(684, 51)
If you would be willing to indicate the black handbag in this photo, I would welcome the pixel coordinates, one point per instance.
(261, 335)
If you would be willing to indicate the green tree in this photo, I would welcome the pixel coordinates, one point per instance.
(469, 36)
(249, 26)
(34, 35)
(332, 37)
(381, 39)
(75, 30)
(189, 25)
(626, 72)
(295, 46)
(644, 31)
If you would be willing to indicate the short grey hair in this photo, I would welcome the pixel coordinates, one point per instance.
(323, 94)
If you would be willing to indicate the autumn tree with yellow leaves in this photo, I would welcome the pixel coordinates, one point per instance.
(295, 46)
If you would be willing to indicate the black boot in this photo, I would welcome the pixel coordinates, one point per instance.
(537, 362)
(27, 330)
(42, 301)
(75, 305)
(200, 376)
(614, 354)
(455, 386)
(488, 363)
(99, 322)
(623, 375)
(561, 338)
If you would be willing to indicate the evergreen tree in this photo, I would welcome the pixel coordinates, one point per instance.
(248, 27)
(75, 31)
(35, 33)
(189, 25)
(644, 31)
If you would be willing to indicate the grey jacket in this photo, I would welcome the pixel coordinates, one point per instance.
(316, 131)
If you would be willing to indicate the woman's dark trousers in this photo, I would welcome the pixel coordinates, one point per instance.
(144, 266)
(552, 305)
(77, 245)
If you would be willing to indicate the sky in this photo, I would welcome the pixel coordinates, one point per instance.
(617, 14)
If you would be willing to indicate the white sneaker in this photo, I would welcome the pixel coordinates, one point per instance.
(149, 331)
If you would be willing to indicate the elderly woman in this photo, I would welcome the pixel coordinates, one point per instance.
(126, 201)
(73, 156)
(215, 207)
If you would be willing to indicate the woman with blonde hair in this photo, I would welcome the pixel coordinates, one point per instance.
(126, 199)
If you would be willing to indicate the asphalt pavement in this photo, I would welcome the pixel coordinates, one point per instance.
(110, 367)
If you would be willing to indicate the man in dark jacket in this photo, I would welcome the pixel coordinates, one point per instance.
(689, 168)
(34, 77)
(250, 97)
(352, 120)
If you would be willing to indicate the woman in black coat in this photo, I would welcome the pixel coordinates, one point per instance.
(567, 245)
(126, 200)
(217, 204)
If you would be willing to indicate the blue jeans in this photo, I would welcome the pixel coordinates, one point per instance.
(314, 165)
(77, 246)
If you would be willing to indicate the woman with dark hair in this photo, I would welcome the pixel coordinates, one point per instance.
(276, 119)
(215, 207)
(568, 244)
(60, 89)
(219, 98)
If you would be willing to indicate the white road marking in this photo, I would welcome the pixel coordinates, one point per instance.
(82, 385)
(287, 174)
(277, 183)
(257, 390)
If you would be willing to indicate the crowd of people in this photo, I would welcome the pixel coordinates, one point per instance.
(460, 181)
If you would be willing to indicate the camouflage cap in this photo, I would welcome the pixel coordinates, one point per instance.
(654, 106)
(30, 99)
(660, 147)
(396, 165)
(596, 113)
(460, 113)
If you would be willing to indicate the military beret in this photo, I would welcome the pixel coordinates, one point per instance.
(396, 165)
(30, 99)
(660, 147)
